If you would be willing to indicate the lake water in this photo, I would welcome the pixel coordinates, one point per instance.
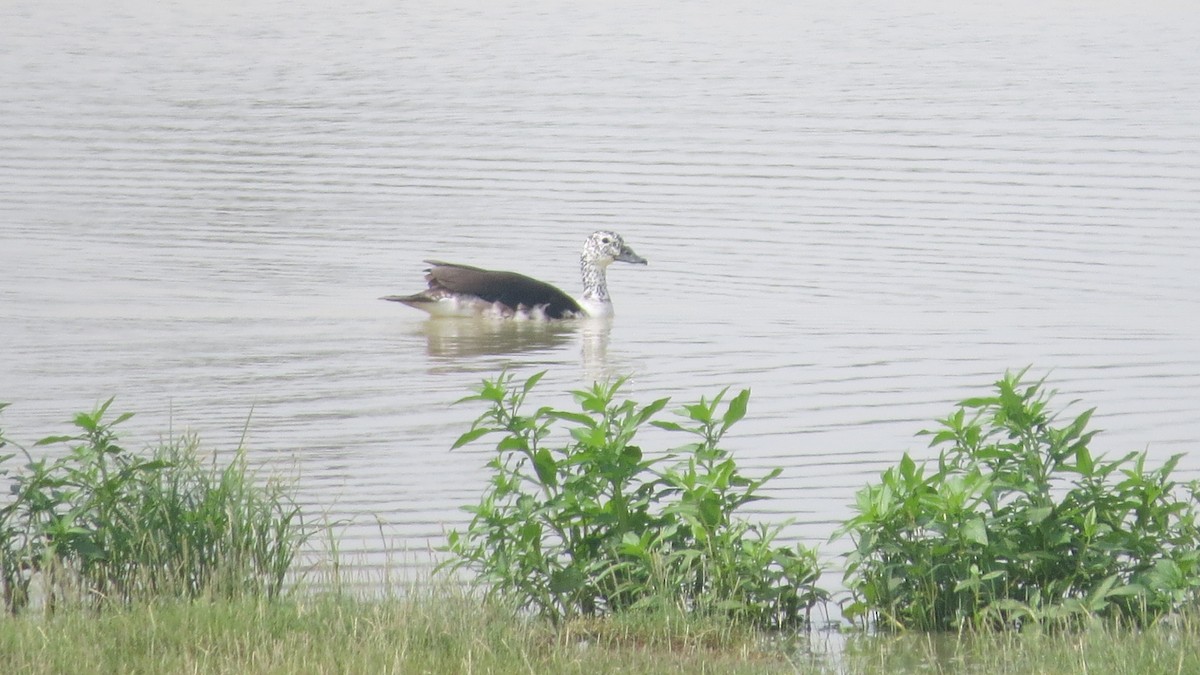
(864, 212)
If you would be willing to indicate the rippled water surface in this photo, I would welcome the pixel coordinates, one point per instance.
(862, 211)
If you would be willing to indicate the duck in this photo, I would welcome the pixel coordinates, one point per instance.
(464, 291)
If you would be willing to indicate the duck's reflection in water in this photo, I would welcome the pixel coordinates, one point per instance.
(593, 347)
(456, 338)
(459, 339)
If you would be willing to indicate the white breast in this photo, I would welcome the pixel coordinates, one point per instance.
(596, 309)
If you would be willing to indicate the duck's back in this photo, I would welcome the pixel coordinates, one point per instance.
(463, 289)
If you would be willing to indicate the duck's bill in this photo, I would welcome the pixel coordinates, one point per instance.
(627, 255)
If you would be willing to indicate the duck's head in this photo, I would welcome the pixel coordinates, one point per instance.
(603, 248)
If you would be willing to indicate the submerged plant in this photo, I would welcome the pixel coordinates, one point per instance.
(101, 523)
(592, 524)
(1018, 522)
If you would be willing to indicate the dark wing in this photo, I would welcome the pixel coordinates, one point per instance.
(507, 288)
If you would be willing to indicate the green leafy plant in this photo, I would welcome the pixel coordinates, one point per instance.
(593, 524)
(1018, 522)
(100, 523)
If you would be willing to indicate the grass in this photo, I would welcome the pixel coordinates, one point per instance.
(1101, 649)
(445, 630)
(96, 523)
(435, 632)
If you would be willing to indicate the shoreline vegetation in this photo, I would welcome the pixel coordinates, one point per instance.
(1014, 551)
(445, 631)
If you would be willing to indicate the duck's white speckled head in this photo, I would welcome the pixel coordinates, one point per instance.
(600, 250)
(603, 248)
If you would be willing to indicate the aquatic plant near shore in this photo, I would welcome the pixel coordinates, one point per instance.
(103, 524)
(1019, 523)
(594, 524)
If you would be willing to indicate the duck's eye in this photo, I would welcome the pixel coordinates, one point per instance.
(605, 240)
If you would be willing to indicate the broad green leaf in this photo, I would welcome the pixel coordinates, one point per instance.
(979, 402)
(737, 409)
(493, 390)
(531, 531)
(510, 443)
(49, 440)
(1171, 463)
(651, 410)
(975, 531)
(1036, 515)
(633, 545)
(544, 465)
(471, 435)
(532, 381)
(578, 418)
(710, 513)
(940, 437)
(591, 437)
(1083, 461)
(699, 412)
(566, 580)
(1080, 422)
(591, 401)
(465, 399)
